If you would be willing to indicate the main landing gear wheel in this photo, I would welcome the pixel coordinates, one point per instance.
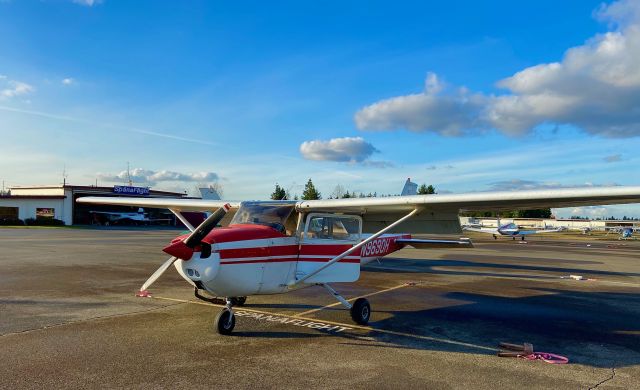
(238, 301)
(225, 322)
(361, 311)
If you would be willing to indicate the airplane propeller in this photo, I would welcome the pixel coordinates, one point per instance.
(185, 248)
(158, 273)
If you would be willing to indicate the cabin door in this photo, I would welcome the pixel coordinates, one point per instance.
(326, 236)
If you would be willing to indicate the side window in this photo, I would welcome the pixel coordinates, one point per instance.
(333, 228)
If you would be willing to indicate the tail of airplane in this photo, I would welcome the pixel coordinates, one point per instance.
(209, 193)
(409, 188)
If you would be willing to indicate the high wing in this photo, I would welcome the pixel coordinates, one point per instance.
(161, 203)
(481, 230)
(525, 232)
(438, 213)
(173, 204)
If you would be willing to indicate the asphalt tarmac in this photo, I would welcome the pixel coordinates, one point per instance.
(69, 319)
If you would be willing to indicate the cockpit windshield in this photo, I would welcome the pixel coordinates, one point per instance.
(264, 213)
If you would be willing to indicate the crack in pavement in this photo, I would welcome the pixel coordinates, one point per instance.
(613, 374)
(87, 320)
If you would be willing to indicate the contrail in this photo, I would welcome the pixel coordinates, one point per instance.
(109, 125)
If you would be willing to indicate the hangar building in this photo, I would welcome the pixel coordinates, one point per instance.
(60, 202)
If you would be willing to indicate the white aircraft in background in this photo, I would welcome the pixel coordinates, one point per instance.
(274, 247)
(508, 229)
(110, 217)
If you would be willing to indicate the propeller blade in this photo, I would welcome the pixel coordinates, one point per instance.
(206, 227)
(158, 273)
(190, 242)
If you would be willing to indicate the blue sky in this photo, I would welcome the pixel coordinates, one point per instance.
(468, 96)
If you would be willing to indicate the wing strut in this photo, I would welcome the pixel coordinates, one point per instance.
(355, 247)
(183, 220)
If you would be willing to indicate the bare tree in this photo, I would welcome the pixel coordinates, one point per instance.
(338, 192)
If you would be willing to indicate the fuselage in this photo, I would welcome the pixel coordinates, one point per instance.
(251, 259)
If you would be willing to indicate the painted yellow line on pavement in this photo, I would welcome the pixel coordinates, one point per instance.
(349, 326)
(352, 299)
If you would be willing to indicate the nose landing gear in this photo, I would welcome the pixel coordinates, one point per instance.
(225, 320)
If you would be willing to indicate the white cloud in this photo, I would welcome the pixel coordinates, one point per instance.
(88, 3)
(13, 88)
(432, 110)
(146, 176)
(347, 149)
(520, 185)
(595, 86)
(68, 81)
(590, 211)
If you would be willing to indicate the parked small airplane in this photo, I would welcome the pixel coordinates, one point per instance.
(274, 247)
(509, 229)
(626, 234)
(125, 218)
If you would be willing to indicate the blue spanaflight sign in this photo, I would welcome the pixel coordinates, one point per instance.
(126, 190)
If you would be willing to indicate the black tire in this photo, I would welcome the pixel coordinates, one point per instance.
(238, 301)
(222, 323)
(361, 311)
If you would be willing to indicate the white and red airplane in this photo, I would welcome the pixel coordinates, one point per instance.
(273, 247)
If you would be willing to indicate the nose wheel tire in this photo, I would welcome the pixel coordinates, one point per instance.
(361, 311)
(225, 322)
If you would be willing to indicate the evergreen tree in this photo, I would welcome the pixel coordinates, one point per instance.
(426, 190)
(279, 193)
(310, 192)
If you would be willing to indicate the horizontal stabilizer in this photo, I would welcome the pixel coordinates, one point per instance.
(428, 244)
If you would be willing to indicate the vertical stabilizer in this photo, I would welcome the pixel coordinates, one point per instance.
(209, 193)
(409, 188)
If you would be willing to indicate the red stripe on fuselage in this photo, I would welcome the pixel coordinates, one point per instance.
(331, 250)
(317, 260)
(283, 250)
